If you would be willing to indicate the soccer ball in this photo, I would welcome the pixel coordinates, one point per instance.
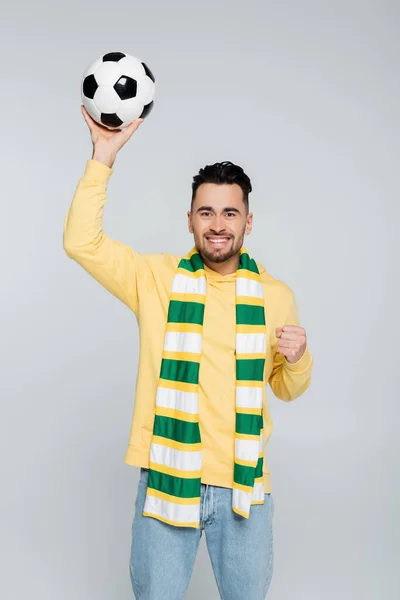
(117, 89)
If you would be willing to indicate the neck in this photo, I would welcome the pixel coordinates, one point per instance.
(224, 268)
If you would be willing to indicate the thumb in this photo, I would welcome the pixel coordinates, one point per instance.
(278, 332)
(132, 128)
(125, 134)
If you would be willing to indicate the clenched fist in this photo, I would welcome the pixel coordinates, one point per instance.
(292, 342)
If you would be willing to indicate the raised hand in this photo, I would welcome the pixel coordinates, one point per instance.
(107, 143)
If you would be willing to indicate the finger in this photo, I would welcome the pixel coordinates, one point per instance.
(294, 328)
(289, 353)
(288, 350)
(134, 126)
(293, 336)
(289, 344)
(91, 123)
(285, 351)
(85, 114)
(126, 133)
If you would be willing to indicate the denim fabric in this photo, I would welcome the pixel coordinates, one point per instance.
(241, 550)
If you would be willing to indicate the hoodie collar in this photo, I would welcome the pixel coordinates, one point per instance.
(217, 277)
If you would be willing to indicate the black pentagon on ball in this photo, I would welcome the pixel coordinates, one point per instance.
(148, 72)
(147, 109)
(90, 86)
(110, 119)
(126, 87)
(113, 56)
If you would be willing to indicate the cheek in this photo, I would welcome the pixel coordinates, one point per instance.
(239, 230)
(198, 229)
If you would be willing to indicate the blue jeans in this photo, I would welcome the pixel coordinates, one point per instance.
(241, 550)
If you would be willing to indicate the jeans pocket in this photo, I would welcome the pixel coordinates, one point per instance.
(144, 476)
(141, 489)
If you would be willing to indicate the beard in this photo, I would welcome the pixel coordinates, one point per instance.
(218, 255)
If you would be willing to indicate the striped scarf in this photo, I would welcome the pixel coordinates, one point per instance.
(174, 481)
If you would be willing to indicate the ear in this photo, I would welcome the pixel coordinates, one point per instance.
(190, 225)
(249, 224)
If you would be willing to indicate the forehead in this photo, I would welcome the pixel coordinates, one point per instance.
(219, 195)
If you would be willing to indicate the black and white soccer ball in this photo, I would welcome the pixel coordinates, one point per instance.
(117, 89)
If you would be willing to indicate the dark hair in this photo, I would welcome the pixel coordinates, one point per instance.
(223, 172)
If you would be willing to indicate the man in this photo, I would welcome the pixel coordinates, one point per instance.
(215, 328)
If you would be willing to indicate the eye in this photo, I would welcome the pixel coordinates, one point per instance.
(230, 214)
(205, 213)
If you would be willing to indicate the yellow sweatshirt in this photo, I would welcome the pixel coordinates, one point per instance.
(143, 282)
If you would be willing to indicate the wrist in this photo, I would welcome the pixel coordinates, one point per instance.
(105, 160)
(302, 365)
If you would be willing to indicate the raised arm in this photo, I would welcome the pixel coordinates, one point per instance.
(111, 263)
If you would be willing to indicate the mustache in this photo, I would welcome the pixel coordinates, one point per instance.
(222, 235)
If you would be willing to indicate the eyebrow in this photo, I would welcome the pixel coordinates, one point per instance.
(227, 209)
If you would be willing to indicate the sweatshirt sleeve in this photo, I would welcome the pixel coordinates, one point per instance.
(289, 380)
(114, 265)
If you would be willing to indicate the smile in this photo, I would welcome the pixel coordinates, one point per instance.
(218, 241)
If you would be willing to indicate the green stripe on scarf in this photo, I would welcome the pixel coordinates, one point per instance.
(175, 486)
(248, 424)
(248, 263)
(246, 475)
(193, 264)
(177, 430)
(247, 314)
(250, 369)
(185, 312)
(183, 371)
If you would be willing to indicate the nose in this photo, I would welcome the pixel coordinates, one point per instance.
(218, 224)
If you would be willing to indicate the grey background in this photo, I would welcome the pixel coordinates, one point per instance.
(305, 96)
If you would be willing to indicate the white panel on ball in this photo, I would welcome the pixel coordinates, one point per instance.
(107, 73)
(93, 66)
(130, 110)
(107, 100)
(131, 66)
(145, 90)
(92, 109)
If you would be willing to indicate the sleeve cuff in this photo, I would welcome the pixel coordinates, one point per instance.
(303, 364)
(97, 171)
